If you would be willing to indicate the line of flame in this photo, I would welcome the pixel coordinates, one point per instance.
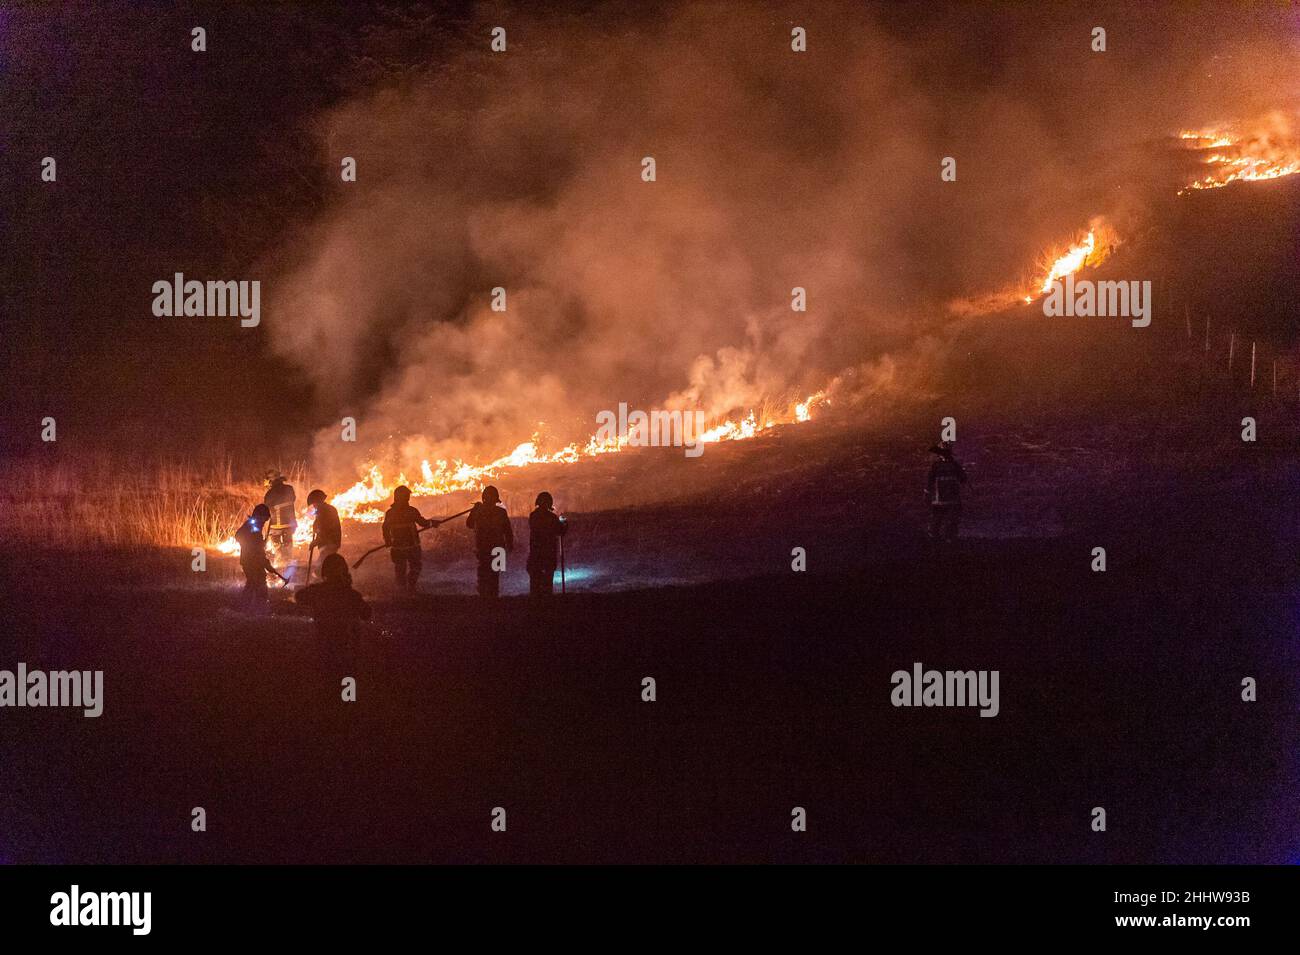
(361, 501)
(1270, 152)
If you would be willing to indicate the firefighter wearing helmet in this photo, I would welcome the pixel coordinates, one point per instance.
(252, 557)
(401, 533)
(545, 528)
(280, 500)
(943, 492)
(326, 529)
(493, 538)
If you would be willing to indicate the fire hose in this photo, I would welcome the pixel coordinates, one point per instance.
(432, 524)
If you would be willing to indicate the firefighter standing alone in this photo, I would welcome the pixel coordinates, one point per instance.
(943, 491)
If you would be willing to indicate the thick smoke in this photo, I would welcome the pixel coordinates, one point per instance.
(774, 169)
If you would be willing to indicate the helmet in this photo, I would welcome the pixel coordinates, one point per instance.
(316, 497)
(402, 494)
(545, 500)
(272, 476)
(334, 567)
(943, 448)
(491, 495)
(261, 513)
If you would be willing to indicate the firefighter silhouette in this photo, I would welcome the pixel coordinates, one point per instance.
(252, 557)
(943, 491)
(326, 528)
(401, 532)
(491, 526)
(280, 499)
(336, 608)
(545, 528)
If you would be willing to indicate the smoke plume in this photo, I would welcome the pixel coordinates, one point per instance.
(774, 169)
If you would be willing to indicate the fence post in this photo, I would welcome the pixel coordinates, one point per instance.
(1252, 364)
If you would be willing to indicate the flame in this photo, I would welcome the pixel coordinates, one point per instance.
(1269, 151)
(1089, 251)
(301, 534)
(360, 502)
(1071, 262)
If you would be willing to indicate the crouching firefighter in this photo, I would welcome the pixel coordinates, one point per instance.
(545, 528)
(280, 499)
(402, 524)
(943, 491)
(491, 526)
(252, 557)
(337, 609)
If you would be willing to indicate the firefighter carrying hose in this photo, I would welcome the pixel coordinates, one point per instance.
(401, 533)
(491, 526)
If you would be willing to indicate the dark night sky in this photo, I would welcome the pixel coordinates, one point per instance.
(167, 160)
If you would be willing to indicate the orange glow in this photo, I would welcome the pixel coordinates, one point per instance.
(301, 534)
(1071, 262)
(1268, 151)
(362, 502)
(1089, 251)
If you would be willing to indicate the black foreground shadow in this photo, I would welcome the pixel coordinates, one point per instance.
(1120, 690)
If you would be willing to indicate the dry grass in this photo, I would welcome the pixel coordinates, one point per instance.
(105, 501)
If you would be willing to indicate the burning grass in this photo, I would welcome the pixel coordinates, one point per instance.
(365, 499)
(1231, 152)
(105, 502)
